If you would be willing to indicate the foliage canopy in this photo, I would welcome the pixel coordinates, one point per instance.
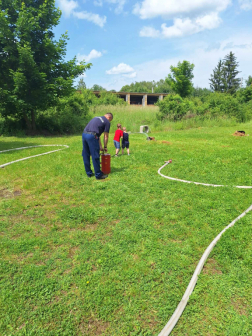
(180, 78)
(224, 77)
(33, 73)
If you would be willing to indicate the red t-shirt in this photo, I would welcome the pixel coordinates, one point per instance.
(118, 135)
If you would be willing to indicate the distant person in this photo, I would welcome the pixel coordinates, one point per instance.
(117, 137)
(125, 140)
(92, 143)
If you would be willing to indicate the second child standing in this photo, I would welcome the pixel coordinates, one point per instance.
(125, 140)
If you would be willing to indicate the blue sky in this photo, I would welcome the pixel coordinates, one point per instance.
(130, 40)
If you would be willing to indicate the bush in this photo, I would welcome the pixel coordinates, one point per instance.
(215, 105)
(109, 98)
(244, 95)
(171, 107)
(69, 116)
(105, 98)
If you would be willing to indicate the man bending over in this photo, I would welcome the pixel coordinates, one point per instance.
(92, 143)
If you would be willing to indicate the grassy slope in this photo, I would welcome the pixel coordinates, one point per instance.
(113, 257)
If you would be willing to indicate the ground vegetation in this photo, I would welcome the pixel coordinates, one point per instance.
(80, 256)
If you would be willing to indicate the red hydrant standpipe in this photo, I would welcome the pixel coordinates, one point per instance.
(105, 163)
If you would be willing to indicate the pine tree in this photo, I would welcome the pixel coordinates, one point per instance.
(216, 80)
(230, 71)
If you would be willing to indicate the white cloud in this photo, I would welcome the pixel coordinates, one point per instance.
(67, 6)
(187, 26)
(122, 68)
(149, 32)
(119, 4)
(205, 60)
(189, 17)
(178, 8)
(95, 18)
(93, 54)
(245, 4)
(183, 27)
(98, 3)
(132, 75)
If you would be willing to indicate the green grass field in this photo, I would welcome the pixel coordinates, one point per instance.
(114, 257)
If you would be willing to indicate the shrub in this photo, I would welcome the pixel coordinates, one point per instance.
(69, 116)
(171, 107)
(105, 98)
(109, 98)
(215, 105)
(244, 95)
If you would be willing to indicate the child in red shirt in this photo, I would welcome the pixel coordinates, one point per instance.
(117, 137)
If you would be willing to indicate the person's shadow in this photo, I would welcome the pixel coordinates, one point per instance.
(115, 170)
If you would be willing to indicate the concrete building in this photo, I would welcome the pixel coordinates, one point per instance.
(135, 98)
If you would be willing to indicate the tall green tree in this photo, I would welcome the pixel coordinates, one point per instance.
(81, 85)
(180, 78)
(33, 72)
(162, 87)
(97, 87)
(217, 78)
(249, 81)
(230, 72)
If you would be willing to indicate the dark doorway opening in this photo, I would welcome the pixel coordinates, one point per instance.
(152, 100)
(122, 96)
(136, 100)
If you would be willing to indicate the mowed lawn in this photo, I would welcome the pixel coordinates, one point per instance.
(114, 257)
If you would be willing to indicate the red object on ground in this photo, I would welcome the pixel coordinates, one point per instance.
(105, 163)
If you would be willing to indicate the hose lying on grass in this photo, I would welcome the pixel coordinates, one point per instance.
(181, 306)
(29, 157)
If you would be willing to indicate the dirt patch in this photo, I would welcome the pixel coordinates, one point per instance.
(211, 267)
(240, 305)
(239, 133)
(5, 193)
(72, 251)
(91, 227)
(166, 142)
(93, 327)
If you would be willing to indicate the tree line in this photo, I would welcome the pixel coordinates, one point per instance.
(37, 88)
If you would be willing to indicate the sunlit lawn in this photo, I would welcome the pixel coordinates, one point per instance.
(114, 257)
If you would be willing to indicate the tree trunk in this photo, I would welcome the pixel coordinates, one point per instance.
(33, 114)
(28, 123)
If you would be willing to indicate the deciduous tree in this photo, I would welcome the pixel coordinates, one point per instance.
(181, 77)
(81, 85)
(33, 72)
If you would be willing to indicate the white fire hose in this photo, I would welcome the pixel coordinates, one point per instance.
(181, 306)
(29, 157)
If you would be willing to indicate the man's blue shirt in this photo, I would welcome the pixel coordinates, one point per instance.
(98, 125)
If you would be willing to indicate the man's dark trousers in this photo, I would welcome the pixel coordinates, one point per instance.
(91, 147)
